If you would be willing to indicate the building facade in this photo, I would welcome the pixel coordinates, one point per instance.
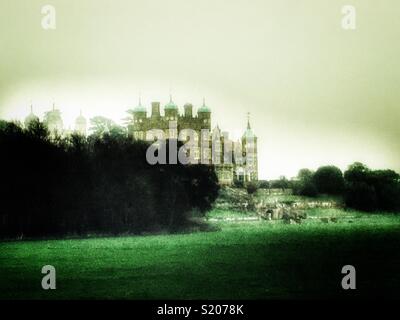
(233, 160)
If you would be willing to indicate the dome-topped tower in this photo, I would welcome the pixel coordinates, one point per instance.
(204, 108)
(139, 107)
(138, 126)
(204, 114)
(170, 105)
(80, 124)
(139, 113)
(30, 118)
(171, 110)
(53, 121)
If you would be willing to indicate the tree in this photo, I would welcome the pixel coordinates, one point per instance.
(282, 183)
(263, 184)
(305, 184)
(329, 180)
(387, 188)
(38, 130)
(360, 195)
(372, 189)
(203, 186)
(357, 172)
(101, 126)
(102, 183)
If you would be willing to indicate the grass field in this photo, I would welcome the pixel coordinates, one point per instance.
(247, 260)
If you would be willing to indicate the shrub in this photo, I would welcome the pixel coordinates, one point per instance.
(251, 187)
(238, 184)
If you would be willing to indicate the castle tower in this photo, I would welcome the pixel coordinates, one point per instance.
(53, 121)
(80, 124)
(249, 145)
(216, 146)
(204, 115)
(171, 110)
(30, 118)
(139, 121)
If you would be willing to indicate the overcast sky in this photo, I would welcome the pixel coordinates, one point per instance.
(317, 94)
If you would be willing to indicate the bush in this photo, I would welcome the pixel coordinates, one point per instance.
(238, 184)
(251, 187)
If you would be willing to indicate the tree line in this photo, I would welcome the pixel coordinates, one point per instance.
(102, 183)
(361, 187)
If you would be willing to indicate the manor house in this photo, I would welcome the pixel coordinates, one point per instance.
(233, 160)
(227, 171)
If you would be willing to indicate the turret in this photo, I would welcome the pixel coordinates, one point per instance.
(80, 124)
(54, 121)
(171, 110)
(30, 118)
(139, 113)
(204, 115)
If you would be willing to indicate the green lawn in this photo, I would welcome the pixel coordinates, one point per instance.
(249, 260)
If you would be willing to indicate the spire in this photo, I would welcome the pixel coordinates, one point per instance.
(53, 106)
(140, 97)
(31, 117)
(248, 133)
(170, 93)
(204, 102)
(139, 107)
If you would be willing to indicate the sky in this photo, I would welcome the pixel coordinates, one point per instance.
(317, 94)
